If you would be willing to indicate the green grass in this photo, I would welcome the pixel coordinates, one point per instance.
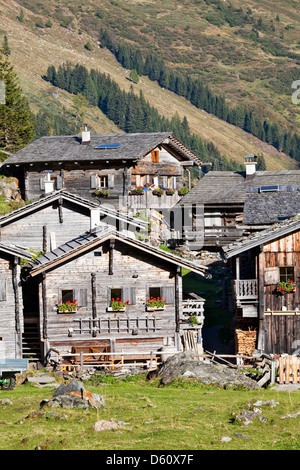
(185, 417)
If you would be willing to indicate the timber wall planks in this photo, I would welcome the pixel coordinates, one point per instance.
(127, 262)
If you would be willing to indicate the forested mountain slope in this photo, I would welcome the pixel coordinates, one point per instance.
(245, 57)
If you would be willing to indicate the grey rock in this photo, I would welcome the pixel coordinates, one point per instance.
(184, 364)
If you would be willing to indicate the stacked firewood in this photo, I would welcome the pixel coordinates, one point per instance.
(245, 341)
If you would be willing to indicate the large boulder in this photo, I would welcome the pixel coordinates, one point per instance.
(184, 365)
(74, 395)
(9, 188)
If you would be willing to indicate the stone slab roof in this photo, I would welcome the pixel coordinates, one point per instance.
(270, 207)
(230, 187)
(274, 232)
(113, 147)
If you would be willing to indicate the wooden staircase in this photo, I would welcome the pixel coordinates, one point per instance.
(31, 348)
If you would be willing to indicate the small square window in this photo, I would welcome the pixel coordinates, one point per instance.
(286, 273)
(67, 296)
(154, 292)
(116, 293)
(103, 181)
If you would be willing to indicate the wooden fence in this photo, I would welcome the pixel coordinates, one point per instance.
(289, 369)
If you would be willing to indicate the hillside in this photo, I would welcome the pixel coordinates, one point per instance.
(34, 48)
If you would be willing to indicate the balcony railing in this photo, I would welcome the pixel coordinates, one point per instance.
(245, 289)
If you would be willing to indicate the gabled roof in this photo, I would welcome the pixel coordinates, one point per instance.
(230, 187)
(271, 206)
(92, 240)
(15, 251)
(46, 200)
(112, 147)
(77, 200)
(274, 232)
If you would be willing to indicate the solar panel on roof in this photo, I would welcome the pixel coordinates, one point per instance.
(269, 188)
(108, 146)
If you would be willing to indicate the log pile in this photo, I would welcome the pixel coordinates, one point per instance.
(245, 341)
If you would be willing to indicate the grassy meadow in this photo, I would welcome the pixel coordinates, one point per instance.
(182, 416)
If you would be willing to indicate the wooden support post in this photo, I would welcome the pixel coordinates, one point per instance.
(111, 257)
(60, 213)
(177, 306)
(261, 301)
(45, 238)
(44, 298)
(94, 304)
(81, 360)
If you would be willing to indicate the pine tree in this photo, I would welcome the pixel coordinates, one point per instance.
(16, 119)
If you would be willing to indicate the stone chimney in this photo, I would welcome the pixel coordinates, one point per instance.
(85, 136)
(250, 162)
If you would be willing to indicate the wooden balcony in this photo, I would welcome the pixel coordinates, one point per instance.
(148, 200)
(245, 290)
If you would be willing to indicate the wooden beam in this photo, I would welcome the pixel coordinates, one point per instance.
(94, 305)
(111, 257)
(44, 299)
(45, 238)
(60, 213)
(177, 312)
(16, 294)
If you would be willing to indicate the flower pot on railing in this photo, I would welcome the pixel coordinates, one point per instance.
(139, 191)
(170, 192)
(158, 192)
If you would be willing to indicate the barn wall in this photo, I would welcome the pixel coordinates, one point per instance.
(10, 342)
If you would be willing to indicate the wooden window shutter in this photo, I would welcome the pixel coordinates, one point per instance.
(128, 293)
(2, 289)
(42, 183)
(168, 294)
(271, 275)
(81, 296)
(165, 181)
(155, 156)
(173, 182)
(111, 181)
(93, 181)
(59, 182)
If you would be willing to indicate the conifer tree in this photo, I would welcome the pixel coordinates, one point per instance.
(16, 119)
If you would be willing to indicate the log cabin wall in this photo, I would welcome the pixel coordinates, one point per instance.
(89, 277)
(76, 178)
(278, 255)
(62, 224)
(11, 318)
(281, 319)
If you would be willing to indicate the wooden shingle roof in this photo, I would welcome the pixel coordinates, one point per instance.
(230, 187)
(274, 232)
(91, 240)
(113, 147)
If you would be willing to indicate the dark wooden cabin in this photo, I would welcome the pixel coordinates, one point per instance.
(11, 301)
(95, 268)
(112, 165)
(239, 203)
(261, 263)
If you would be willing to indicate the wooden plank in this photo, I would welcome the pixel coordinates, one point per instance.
(294, 369)
(281, 370)
(287, 370)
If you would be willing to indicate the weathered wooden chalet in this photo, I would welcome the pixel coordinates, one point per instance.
(95, 272)
(229, 201)
(266, 273)
(113, 166)
(58, 217)
(11, 301)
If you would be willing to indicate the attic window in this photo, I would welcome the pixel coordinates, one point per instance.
(108, 146)
(155, 156)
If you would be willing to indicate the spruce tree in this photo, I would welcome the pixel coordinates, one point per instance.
(16, 119)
